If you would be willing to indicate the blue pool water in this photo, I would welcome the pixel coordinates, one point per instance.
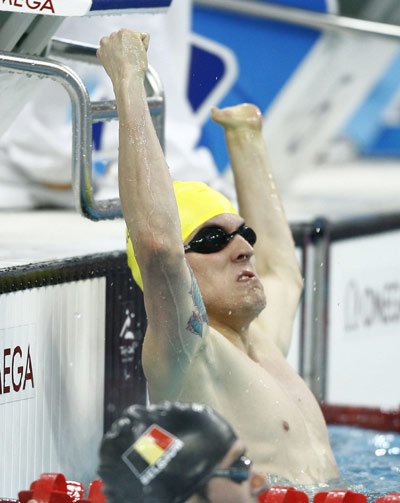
(368, 459)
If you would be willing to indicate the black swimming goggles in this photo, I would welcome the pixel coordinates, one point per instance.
(214, 239)
(238, 472)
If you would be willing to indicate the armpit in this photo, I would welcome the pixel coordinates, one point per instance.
(199, 317)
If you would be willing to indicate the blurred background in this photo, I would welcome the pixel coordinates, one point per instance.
(328, 90)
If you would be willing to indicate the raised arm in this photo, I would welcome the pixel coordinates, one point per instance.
(150, 211)
(260, 206)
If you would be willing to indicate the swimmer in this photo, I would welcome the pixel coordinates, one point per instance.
(171, 452)
(219, 326)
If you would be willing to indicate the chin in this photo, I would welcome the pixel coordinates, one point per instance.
(261, 303)
(255, 301)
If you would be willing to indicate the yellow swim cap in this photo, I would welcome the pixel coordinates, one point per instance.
(197, 203)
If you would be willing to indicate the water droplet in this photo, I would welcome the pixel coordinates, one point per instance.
(318, 229)
(322, 264)
(111, 407)
(229, 312)
(77, 315)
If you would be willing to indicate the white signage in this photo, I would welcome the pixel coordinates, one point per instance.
(51, 7)
(52, 382)
(17, 363)
(364, 322)
(371, 303)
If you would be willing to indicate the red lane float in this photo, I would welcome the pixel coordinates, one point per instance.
(53, 488)
(95, 494)
(281, 494)
(339, 497)
(389, 498)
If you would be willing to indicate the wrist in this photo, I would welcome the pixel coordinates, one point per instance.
(128, 88)
(243, 134)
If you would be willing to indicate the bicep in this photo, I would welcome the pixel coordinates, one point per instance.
(177, 321)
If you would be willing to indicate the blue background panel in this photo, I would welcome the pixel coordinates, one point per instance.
(129, 4)
(314, 5)
(267, 52)
(367, 128)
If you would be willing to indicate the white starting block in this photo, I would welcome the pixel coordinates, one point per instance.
(27, 27)
(82, 7)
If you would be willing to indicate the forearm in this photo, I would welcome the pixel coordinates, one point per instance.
(259, 201)
(145, 185)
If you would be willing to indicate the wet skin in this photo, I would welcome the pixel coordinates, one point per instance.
(236, 362)
(231, 290)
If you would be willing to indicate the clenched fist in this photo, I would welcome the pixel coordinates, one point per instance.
(123, 54)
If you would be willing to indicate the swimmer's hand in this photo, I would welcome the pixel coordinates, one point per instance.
(245, 116)
(123, 54)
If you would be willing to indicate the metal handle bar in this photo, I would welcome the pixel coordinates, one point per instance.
(303, 17)
(84, 114)
(86, 53)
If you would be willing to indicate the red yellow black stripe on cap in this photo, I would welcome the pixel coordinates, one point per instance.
(151, 452)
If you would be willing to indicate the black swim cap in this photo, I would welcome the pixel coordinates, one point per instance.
(162, 453)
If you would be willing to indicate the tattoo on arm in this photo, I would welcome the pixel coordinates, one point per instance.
(199, 315)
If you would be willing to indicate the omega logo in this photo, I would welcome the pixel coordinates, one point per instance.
(369, 305)
(40, 5)
(16, 371)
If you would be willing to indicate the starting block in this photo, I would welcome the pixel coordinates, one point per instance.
(27, 28)
(66, 8)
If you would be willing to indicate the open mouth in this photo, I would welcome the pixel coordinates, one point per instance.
(246, 276)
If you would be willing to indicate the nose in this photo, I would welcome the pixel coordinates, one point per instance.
(242, 250)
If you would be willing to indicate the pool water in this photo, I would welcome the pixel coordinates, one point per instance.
(368, 459)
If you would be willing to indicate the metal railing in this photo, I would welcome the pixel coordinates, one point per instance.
(84, 114)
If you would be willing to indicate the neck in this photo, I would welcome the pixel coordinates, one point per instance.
(236, 333)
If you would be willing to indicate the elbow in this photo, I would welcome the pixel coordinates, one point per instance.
(298, 285)
(299, 281)
(158, 251)
(294, 278)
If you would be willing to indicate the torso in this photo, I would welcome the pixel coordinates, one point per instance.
(266, 402)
